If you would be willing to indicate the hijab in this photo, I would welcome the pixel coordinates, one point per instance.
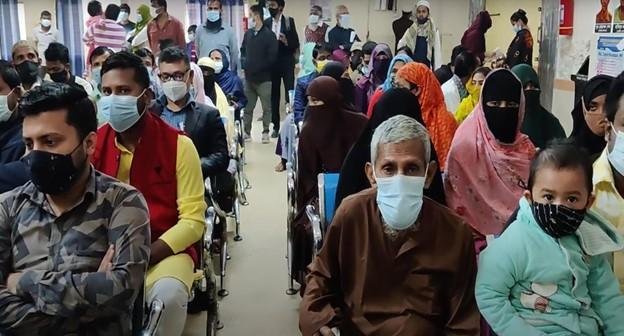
(146, 17)
(229, 81)
(341, 56)
(373, 79)
(352, 177)
(336, 70)
(438, 120)
(307, 60)
(474, 37)
(208, 84)
(484, 175)
(387, 85)
(582, 134)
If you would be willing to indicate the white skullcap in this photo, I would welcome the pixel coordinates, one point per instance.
(207, 62)
(423, 3)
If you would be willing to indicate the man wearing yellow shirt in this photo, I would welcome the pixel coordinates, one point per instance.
(609, 169)
(141, 149)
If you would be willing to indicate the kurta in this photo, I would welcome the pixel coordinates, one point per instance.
(368, 284)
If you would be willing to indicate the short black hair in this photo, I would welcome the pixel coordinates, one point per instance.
(162, 3)
(219, 1)
(456, 51)
(368, 47)
(256, 9)
(57, 52)
(315, 52)
(465, 64)
(45, 13)
(9, 74)
(112, 12)
(125, 7)
(127, 60)
(407, 51)
(174, 55)
(521, 15)
(614, 96)
(94, 8)
(166, 43)
(318, 8)
(192, 28)
(99, 51)
(324, 48)
(52, 96)
(280, 3)
(144, 52)
(562, 154)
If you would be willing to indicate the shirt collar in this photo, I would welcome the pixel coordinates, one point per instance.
(189, 103)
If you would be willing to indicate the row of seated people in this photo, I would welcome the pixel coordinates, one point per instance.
(108, 211)
(396, 261)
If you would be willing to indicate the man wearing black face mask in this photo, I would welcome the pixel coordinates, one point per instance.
(501, 96)
(26, 61)
(58, 68)
(81, 238)
(540, 125)
(284, 69)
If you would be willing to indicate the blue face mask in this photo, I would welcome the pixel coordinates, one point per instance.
(400, 199)
(213, 15)
(121, 111)
(96, 76)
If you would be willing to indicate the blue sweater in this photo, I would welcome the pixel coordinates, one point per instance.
(13, 172)
(530, 284)
(301, 97)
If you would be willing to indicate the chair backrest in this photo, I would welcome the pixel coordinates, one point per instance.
(327, 184)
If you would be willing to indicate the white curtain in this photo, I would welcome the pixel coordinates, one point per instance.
(9, 27)
(71, 25)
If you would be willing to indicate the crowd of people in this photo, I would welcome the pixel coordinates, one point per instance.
(455, 181)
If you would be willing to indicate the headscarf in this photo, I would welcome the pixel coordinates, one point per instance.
(366, 81)
(483, 175)
(352, 177)
(229, 81)
(582, 134)
(341, 56)
(335, 70)
(307, 60)
(474, 37)
(146, 17)
(540, 125)
(438, 120)
(387, 85)
(209, 82)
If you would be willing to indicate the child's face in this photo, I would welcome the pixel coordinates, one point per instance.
(562, 187)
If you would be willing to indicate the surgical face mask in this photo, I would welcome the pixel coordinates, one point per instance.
(213, 15)
(616, 156)
(53, 173)
(345, 21)
(5, 111)
(46, 23)
(155, 11)
(218, 67)
(191, 36)
(175, 90)
(266, 13)
(365, 70)
(96, 76)
(516, 28)
(400, 199)
(252, 23)
(122, 112)
(557, 220)
(28, 71)
(138, 17)
(123, 17)
(314, 19)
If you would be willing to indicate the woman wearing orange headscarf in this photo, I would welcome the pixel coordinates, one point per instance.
(440, 123)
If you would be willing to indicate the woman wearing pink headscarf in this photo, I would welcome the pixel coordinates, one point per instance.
(489, 157)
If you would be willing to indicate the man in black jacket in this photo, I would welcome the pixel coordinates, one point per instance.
(284, 29)
(258, 54)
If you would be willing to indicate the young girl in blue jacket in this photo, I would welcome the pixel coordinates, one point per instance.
(549, 272)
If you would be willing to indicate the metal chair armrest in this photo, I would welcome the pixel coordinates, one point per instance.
(315, 221)
(215, 205)
(155, 314)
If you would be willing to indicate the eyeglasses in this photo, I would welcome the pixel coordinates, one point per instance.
(176, 76)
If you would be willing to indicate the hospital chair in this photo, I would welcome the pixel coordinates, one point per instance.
(291, 196)
(220, 220)
(321, 219)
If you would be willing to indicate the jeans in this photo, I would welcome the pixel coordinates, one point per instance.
(173, 293)
(253, 91)
(283, 71)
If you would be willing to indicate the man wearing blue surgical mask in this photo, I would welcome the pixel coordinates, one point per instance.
(215, 35)
(170, 179)
(400, 246)
(609, 168)
(342, 36)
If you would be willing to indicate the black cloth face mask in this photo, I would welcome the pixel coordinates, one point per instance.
(557, 220)
(59, 77)
(28, 71)
(381, 69)
(532, 98)
(53, 173)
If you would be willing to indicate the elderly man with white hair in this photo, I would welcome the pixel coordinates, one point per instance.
(423, 37)
(393, 262)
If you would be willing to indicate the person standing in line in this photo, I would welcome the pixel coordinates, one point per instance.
(342, 36)
(44, 33)
(215, 35)
(124, 18)
(191, 46)
(316, 29)
(164, 28)
(423, 38)
(106, 32)
(521, 48)
(258, 54)
(284, 68)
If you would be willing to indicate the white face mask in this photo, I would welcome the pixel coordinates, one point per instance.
(314, 19)
(191, 37)
(123, 17)
(5, 112)
(46, 23)
(517, 28)
(252, 23)
(218, 67)
(616, 156)
(138, 17)
(400, 199)
(345, 21)
(175, 90)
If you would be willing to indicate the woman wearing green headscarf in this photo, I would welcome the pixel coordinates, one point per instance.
(138, 37)
(540, 125)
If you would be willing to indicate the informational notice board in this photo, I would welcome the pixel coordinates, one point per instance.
(610, 55)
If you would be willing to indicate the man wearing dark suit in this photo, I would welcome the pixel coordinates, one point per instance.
(284, 69)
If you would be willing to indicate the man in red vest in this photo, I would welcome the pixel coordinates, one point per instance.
(139, 148)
